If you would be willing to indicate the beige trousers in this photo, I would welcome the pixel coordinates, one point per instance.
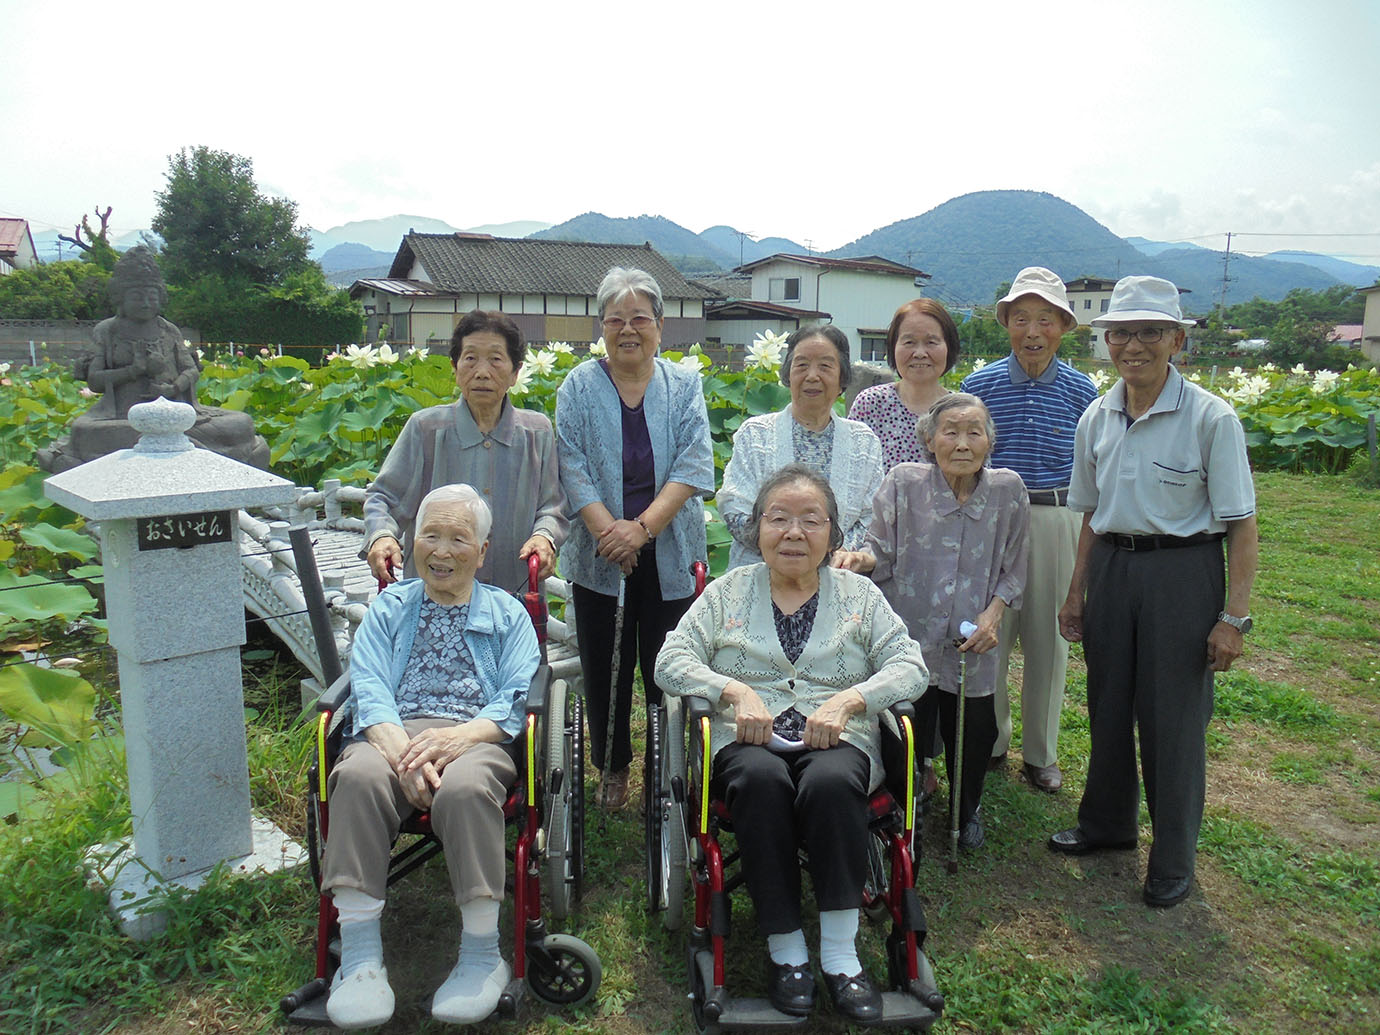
(367, 805)
(1053, 543)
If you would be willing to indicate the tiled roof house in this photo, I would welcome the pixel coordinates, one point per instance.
(16, 245)
(547, 287)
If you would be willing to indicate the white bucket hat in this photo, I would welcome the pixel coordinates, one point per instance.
(1143, 298)
(1036, 280)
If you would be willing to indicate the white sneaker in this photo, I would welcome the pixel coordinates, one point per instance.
(361, 1000)
(469, 994)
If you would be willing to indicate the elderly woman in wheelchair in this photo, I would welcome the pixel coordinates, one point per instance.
(798, 661)
(439, 674)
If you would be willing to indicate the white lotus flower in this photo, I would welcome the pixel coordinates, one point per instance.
(385, 354)
(1238, 373)
(416, 352)
(4, 368)
(690, 363)
(1267, 368)
(766, 351)
(359, 356)
(1324, 381)
(1299, 370)
(979, 363)
(599, 348)
(1099, 379)
(562, 347)
(523, 384)
(542, 362)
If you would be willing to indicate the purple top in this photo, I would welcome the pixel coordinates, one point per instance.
(639, 467)
(881, 409)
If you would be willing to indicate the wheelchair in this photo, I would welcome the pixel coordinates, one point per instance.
(689, 825)
(545, 804)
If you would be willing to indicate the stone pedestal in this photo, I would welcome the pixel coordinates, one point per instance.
(167, 515)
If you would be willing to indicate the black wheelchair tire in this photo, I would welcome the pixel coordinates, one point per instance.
(560, 821)
(672, 849)
(575, 976)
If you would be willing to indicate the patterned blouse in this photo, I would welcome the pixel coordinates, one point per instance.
(793, 630)
(814, 449)
(881, 409)
(439, 681)
(940, 563)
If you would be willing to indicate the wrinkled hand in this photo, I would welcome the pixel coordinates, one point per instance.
(988, 632)
(419, 786)
(853, 560)
(436, 748)
(750, 714)
(620, 542)
(1071, 619)
(824, 728)
(385, 551)
(1225, 644)
(541, 546)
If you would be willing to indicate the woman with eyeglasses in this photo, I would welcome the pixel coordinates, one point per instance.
(846, 453)
(947, 545)
(632, 437)
(800, 660)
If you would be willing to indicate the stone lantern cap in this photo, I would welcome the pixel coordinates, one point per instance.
(163, 474)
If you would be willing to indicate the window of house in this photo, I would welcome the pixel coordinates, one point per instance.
(1104, 304)
(1087, 303)
(872, 349)
(783, 289)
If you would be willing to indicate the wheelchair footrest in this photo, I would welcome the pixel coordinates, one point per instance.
(757, 1015)
(901, 1009)
(311, 1014)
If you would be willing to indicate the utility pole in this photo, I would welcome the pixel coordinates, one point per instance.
(1226, 263)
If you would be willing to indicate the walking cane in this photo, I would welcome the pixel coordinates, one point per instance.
(613, 695)
(956, 784)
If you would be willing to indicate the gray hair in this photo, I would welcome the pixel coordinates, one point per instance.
(788, 475)
(829, 333)
(466, 496)
(929, 421)
(619, 283)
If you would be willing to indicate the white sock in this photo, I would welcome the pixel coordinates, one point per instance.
(838, 935)
(361, 932)
(788, 950)
(479, 934)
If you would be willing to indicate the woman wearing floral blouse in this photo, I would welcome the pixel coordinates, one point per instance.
(948, 545)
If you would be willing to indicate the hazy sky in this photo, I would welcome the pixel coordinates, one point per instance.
(1168, 119)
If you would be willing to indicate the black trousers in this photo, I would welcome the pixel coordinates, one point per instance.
(646, 621)
(1145, 630)
(779, 801)
(979, 734)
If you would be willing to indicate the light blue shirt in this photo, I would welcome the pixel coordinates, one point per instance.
(589, 445)
(499, 635)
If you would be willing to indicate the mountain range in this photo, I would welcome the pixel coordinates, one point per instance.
(970, 246)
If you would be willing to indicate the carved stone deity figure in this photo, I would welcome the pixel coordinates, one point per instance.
(137, 357)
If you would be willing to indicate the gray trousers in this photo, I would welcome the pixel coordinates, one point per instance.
(1145, 630)
(367, 805)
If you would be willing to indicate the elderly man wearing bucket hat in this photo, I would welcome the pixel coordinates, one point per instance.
(1035, 398)
(1161, 477)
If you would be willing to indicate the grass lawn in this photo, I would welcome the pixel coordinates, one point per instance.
(1279, 935)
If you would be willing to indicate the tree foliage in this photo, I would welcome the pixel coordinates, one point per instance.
(214, 221)
(71, 290)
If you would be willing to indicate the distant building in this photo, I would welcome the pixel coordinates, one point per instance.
(1347, 334)
(858, 296)
(1370, 326)
(547, 287)
(16, 246)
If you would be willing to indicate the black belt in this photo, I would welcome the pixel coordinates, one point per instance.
(1048, 497)
(1158, 542)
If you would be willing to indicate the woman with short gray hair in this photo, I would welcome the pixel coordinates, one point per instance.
(632, 435)
(808, 431)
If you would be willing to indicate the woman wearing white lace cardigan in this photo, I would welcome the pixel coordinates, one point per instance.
(799, 660)
(845, 452)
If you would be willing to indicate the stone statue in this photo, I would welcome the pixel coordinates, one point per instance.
(137, 357)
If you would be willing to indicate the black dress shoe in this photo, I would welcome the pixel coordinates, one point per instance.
(1163, 892)
(1047, 778)
(1074, 842)
(972, 837)
(791, 989)
(854, 997)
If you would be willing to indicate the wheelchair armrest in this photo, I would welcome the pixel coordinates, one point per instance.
(696, 708)
(537, 692)
(895, 760)
(335, 695)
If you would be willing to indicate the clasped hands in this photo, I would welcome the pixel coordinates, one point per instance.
(419, 761)
(823, 729)
(621, 541)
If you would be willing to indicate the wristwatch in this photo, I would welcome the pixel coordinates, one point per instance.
(1242, 625)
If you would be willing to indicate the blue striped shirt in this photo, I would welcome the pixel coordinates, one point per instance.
(1035, 419)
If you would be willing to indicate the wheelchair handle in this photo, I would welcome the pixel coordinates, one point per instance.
(701, 573)
(533, 567)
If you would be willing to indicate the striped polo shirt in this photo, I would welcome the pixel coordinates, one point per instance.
(1036, 418)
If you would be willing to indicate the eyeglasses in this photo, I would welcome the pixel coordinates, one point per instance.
(614, 324)
(779, 521)
(1146, 335)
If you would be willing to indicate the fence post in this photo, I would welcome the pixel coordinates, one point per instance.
(1370, 445)
(33, 356)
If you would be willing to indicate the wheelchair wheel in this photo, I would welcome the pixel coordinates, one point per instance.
(565, 973)
(564, 817)
(314, 842)
(672, 849)
(652, 794)
(877, 882)
(700, 965)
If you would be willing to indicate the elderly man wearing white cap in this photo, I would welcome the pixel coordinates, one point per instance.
(1161, 477)
(1035, 398)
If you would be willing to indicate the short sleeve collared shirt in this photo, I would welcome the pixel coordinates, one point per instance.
(1178, 469)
